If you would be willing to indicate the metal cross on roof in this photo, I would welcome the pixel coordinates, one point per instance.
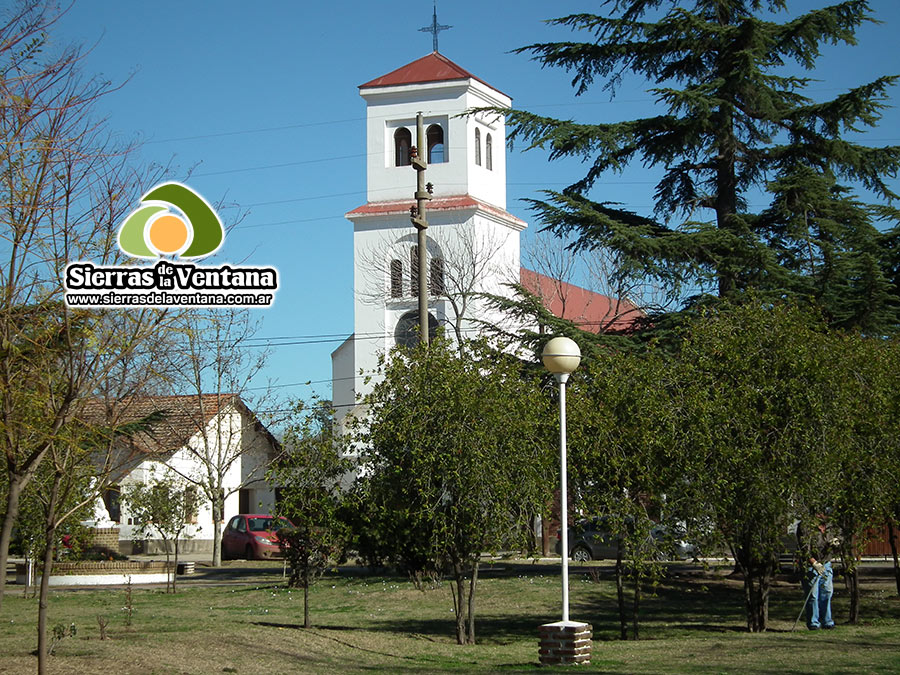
(434, 28)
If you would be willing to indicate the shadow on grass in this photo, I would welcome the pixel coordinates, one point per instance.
(674, 607)
(688, 601)
(298, 626)
(317, 631)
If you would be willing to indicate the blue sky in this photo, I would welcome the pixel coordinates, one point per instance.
(260, 102)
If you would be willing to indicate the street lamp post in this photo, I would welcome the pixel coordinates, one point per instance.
(561, 357)
(564, 641)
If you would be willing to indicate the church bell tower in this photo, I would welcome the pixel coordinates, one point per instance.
(472, 241)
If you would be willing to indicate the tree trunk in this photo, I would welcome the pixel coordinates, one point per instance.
(471, 618)
(725, 200)
(50, 535)
(170, 583)
(306, 623)
(459, 602)
(636, 606)
(218, 515)
(892, 538)
(620, 593)
(175, 570)
(545, 533)
(850, 563)
(14, 492)
(758, 576)
(756, 594)
(853, 584)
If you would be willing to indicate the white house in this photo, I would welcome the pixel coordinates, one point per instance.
(193, 436)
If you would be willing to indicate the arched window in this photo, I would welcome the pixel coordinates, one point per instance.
(436, 276)
(414, 270)
(396, 278)
(478, 147)
(402, 141)
(406, 334)
(488, 159)
(435, 137)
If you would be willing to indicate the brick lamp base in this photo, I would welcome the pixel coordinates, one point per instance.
(565, 643)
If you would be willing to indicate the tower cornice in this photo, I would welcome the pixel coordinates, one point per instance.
(437, 205)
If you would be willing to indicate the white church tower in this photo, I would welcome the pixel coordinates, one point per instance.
(473, 242)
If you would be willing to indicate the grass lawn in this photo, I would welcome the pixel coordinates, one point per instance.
(693, 624)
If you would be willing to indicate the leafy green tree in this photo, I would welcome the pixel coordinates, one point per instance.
(308, 475)
(456, 450)
(164, 506)
(213, 357)
(734, 124)
(859, 465)
(79, 461)
(751, 389)
(65, 185)
(65, 491)
(620, 425)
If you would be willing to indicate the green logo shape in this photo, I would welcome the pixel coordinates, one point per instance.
(206, 228)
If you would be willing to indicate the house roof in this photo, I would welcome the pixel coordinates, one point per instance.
(182, 418)
(437, 204)
(591, 311)
(434, 67)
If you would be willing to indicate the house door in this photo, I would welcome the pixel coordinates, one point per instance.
(245, 501)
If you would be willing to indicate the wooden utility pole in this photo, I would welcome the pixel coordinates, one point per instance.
(418, 160)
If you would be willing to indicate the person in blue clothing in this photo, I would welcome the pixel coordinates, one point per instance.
(817, 547)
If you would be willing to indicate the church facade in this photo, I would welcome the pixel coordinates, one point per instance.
(473, 242)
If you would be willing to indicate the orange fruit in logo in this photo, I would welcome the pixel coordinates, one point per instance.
(168, 233)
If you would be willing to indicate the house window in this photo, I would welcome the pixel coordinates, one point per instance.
(111, 501)
(414, 270)
(191, 504)
(478, 147)
(437, 276)
(396, 278)
(402, 142)
(488, 158)
(435, 138)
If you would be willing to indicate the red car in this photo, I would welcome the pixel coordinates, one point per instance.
(253, 536)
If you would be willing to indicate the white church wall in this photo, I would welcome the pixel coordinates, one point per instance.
(489, 185)
(441, 103)
(343, 378)
(397, 106)
(479, 225)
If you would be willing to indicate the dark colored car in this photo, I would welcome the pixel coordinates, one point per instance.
(253, 536)
(591, 539)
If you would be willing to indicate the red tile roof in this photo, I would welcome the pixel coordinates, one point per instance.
(451, 203)
(592, 311)
(183, 417)
(434, 67)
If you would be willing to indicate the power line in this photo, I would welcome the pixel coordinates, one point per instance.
(304, 125)
(254, 131)
(277, 166)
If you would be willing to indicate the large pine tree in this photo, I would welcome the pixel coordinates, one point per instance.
(736, 125)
